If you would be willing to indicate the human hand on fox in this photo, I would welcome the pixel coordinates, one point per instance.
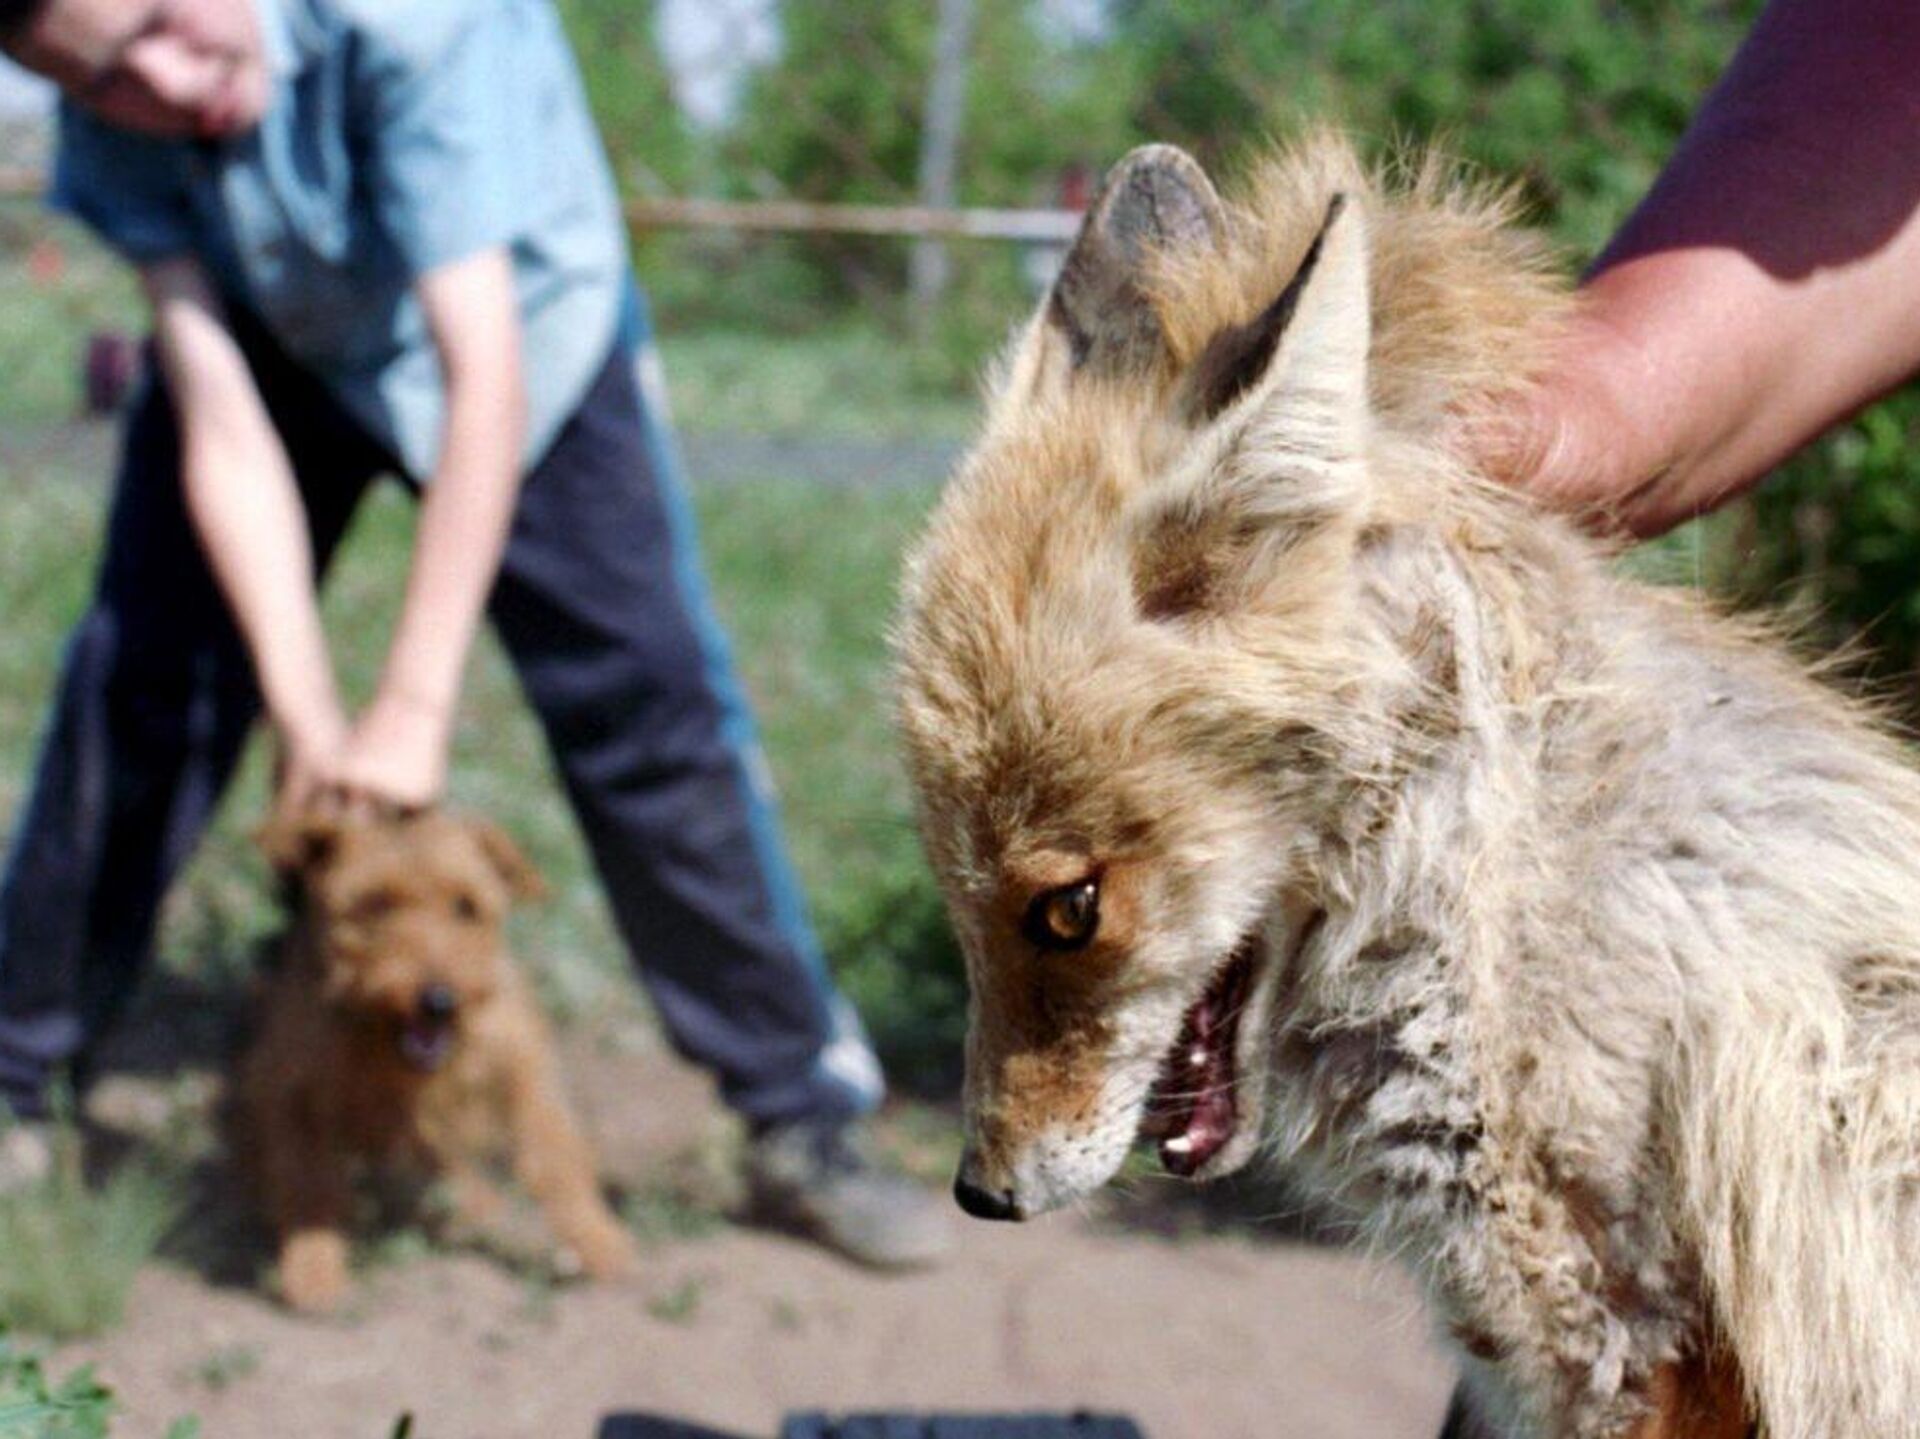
(1761, 293)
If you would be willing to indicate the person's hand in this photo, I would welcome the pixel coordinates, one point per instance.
(310, 744)
(1578, 441)
(395, 756)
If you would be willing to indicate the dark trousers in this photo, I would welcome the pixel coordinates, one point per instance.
(600, 603)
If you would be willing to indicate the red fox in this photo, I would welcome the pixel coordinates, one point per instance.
(1300, 796)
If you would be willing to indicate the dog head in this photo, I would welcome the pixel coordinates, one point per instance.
(1129, 677)
(405, 917)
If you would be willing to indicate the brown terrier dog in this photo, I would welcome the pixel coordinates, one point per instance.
(398, 1030)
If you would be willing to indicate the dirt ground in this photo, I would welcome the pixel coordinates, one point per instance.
(1143, 1304)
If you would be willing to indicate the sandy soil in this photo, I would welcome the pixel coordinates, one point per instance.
(1143, 1305)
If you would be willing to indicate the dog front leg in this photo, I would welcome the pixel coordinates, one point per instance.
(308, 1201)
(556, 1165)
(473, 1204)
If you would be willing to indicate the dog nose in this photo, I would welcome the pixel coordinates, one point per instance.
(981, 1202)
(437, 1001)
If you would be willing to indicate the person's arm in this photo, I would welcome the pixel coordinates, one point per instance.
(1767, 287)
(245, 507)
(397, 751)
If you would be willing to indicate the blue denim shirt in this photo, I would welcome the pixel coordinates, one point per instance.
(399, 137)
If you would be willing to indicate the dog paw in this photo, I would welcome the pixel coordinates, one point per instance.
(472, 1206)
(602, 1251)
(313, 1271)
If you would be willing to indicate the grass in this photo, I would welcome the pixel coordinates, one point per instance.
(49, 307)
(681, 1304)
(843, 382)
(73, 1248)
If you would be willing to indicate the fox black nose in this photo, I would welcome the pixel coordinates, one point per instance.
(437, 1002)
(983, 1203)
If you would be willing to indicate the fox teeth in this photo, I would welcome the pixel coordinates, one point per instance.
(1179, 1144)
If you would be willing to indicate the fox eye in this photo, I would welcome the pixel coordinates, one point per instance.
(466, 908)
(1064, 918)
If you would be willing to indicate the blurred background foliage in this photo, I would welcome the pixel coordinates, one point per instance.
(1579, 100)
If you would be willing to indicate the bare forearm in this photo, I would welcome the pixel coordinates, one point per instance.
(463, 528)
(472, 310)
(1768, 285)
(247, 513)
(242, 499)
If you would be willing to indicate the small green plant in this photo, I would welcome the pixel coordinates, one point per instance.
(33, 1406)
(664, 1214)
(72, 1248)
(680, 1304)
(227, 1366)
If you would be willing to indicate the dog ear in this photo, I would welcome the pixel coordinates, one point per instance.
(298, 842)
(1098, 319)
(1280, 409)
(522, 879)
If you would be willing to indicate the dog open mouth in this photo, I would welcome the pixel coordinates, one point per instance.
(426, 1041)
(1192, 1109)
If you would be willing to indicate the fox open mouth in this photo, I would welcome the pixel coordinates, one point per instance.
(1192, 1109)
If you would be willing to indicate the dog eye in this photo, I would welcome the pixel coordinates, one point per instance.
(1064, 918)
(466, 909)
(374, 905)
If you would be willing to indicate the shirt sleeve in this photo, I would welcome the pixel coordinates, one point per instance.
(443, 152)
(127, 188)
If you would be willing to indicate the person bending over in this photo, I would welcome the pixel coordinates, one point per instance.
(385, 239)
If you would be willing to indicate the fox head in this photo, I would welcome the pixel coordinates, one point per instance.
(1129, 670)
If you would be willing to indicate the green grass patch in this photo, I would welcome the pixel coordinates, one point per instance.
(57, 288)
(849, 381)
(72, 1248)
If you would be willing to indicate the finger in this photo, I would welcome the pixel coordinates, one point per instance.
(294, 794)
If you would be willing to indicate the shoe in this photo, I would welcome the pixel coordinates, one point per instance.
(26, 1154)
(822, 1180)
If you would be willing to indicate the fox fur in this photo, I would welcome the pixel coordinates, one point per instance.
(1584, 921)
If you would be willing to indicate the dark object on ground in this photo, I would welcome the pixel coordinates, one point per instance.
(892, 1426)
(961, 1426)
(651, 1426)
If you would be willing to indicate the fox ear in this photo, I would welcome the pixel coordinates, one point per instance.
(1309, 343)
(1097, 319)
(1279, 405)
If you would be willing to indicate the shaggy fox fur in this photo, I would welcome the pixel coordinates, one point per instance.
(1563, 931)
